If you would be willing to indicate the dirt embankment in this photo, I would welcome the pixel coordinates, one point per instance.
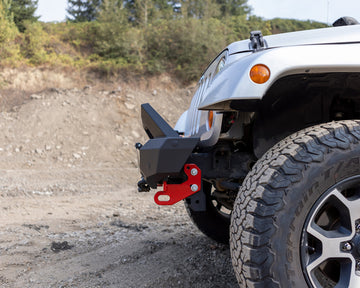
(70, 215)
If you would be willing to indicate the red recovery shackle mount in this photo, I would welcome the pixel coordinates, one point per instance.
(177, 192)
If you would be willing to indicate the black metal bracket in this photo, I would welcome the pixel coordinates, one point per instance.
(197, 201)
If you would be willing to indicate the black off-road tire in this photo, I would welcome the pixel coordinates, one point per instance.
(282, 194)
(212, 222)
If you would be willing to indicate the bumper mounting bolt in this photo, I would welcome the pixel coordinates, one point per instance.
(194, 172)
(138, 146)
(194, 187)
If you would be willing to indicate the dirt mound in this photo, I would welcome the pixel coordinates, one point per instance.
(70, 214)
(80, 127)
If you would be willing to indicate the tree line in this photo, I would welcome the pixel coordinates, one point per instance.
(144, 11)
(132, 36)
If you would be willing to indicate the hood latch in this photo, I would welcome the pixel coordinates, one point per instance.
(257, 40)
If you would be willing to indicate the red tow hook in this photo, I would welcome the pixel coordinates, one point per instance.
(177, 192)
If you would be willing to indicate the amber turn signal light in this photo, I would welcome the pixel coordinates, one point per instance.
(260, 74)
(210, 119)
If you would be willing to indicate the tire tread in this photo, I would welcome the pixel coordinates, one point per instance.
(259, 199)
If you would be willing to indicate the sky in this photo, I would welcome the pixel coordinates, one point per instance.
(326, 11)
(52, 10)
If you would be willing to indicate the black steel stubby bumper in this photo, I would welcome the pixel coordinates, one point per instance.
(163, 157)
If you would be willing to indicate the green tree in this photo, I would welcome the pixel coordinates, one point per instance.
(113, 11)
(115, 38)
(200, 9)
(6, 5)
(34, 43)
(139, 10)
(8, 32)
(213, 8)
(143, 12)
(82, 10)
(233, 7)
(23, 11)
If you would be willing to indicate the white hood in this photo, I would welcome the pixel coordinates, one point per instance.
(331, 35)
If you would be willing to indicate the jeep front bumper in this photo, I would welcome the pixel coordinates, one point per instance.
(165, 154)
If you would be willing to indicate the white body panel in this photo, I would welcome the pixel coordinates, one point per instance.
(325, 50)
(234, 83)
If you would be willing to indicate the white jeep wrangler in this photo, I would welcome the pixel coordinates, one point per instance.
(268, 157)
